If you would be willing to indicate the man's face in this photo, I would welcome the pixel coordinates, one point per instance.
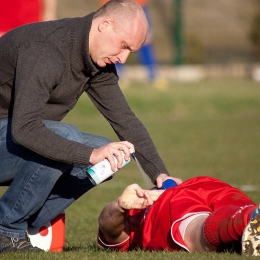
(114, 45)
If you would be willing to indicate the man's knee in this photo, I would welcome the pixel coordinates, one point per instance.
(95, 141)
(71, 132)
(65, 130)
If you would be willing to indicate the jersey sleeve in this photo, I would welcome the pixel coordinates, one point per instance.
(123, 246)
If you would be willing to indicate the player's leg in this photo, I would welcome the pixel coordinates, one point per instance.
(194, 237)
(222, 231)
(223, 228)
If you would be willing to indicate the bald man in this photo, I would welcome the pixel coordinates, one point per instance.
(44, 68)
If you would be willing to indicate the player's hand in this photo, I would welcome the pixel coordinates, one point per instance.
(134, 197)
(110, 150)
(163, 177)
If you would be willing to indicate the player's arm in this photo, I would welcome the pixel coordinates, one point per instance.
(112, 220)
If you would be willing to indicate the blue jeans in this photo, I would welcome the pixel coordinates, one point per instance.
(41, 188)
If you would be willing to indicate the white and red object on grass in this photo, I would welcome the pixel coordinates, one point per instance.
(51, 236)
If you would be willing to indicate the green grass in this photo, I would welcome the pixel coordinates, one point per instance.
(205, 128)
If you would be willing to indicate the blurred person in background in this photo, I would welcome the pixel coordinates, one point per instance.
(14, 13)
(202, 214)
(146, 53)
(44, 69)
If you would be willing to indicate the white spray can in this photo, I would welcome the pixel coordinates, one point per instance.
(101, 171)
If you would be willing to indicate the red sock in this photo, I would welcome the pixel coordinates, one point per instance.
(226, 225)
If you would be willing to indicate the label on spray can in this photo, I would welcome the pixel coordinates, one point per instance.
(101, 171)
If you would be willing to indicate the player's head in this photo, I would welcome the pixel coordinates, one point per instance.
(119, 28)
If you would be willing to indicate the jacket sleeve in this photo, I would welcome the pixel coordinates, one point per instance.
(109, 99)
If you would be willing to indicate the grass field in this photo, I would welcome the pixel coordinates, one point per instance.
(204, 128)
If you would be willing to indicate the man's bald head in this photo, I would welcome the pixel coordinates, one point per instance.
(124, 13)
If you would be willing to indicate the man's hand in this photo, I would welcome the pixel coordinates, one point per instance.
(109, 151)
(163, 177)
(134, 197)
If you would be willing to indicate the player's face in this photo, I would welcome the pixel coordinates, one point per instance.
(114, 45)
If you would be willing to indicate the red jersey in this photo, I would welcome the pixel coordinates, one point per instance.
(157, 227)
(14, 13)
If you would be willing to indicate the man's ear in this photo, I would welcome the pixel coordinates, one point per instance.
(106, 23)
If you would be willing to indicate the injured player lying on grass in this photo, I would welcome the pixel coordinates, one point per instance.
(202, 214)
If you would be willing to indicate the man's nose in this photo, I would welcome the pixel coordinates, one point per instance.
(123, 56)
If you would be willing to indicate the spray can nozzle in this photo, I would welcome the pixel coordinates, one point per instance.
(132, 154)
